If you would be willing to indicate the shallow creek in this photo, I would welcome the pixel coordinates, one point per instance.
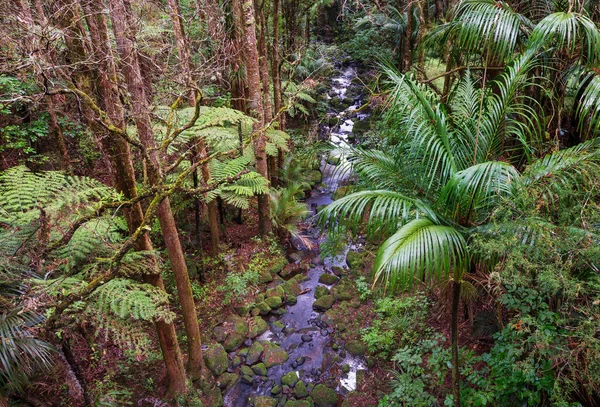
(301, 332)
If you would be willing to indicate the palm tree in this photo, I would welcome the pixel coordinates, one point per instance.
(443, 172)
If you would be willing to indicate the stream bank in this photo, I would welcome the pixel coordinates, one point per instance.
(288, 354)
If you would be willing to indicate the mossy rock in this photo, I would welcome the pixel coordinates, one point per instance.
(340, 193)
(346, 368)
(328, 279)
(292, 287)
(214, 398)
(292, 270)
(343, 291)
(247, 379)
(260, 369)
(328, 317)
(314, 176)
(242, 310)
(275, 292)
(333, 160)
(361, 127)
(274, 302)
(324, 303)
(264, 401)
(258, 326)
(278, 264)
(243, 352)
(338, 271)
(356, 348)
(300, 390)
(321, 291)
(265, 277)
(323, 396)
(247, 371)
(276, 390)
(215, 358)
(298, 403)
(220, 333)
(273, 355)
(234, 341)
(291, 300)
(227, 380)
(290, 379)
(263, 308)
(254, 353)
(354, 259)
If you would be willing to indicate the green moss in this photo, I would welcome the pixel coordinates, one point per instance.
(323, 396)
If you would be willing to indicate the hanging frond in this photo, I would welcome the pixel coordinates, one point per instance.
(21, 355)
(286, 210)
(375, 212)
(488, 27)
(479, 187)
(587, 108)
(420, 251)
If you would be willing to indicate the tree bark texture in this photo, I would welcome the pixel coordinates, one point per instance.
(126, 46)
(183, 48)
(256, 111)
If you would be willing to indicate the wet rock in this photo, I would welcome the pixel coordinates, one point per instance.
(343, 291)
(274, 302)
(321, 291)
(340, 193)
(324, 303)
(220, 333)
(227, 380)
(247, 371)
(327, 318)
(248, 343)
(276, 390)
(265, 277)
(254, 353)
(298, 403)
(292, 287)
(337, 271)
(300, 390)
(260, 369)
(214, 398)
(290, 379)
(263, 308)
(275, 292)
(233, 341)
(328, 279)
(353, 259)
(323, 396)
(300, 360)
(356, 348)
(277, 265)
(247, 379)
(257, 327)
(333, 160)
(291, 300)
(279, 311)
(313, 176)
(288, 330)
(242, 310)
(277, 326)
(292, 270)
(306, 338)
(236, 361)
(273, 355)
(346, 368)
(216, 360)
(352, 399)
(243, 353)
(265, 401)
(296, 256)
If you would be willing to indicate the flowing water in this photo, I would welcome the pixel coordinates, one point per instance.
(307, 339)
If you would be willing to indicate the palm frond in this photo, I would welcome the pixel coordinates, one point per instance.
(421, 251)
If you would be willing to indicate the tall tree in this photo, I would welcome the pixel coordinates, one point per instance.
(256, 111)
(127, 48)
(183, 48)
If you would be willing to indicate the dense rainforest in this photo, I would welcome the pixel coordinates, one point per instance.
(299, 203)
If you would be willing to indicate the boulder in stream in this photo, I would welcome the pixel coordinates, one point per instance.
(324, 303)
(215, 358)
(300, 390)
(257, 327)
(321, 291)
(227, 380)
(323, 396)
(290, 379)
(328, 279)
(274, 302)
(254, 353)
(265, 401)
(356, 348)
(273, 355)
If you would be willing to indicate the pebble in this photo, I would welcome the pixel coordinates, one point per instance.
(307, 338)
(248, 342)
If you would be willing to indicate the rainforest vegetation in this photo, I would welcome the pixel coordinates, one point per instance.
(299, 203)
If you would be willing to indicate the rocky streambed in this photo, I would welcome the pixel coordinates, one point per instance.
(282, 350)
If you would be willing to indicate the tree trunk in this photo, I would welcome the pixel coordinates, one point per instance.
(256, 110)
(124, 174)
(183, 48)
(126, 45)
(212, 206)
(455, 362)
(408, 43)
(277, 96)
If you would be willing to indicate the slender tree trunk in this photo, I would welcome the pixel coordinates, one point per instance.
(183, 48)
(307, 29)
(124, 174)
(408, 43)
(212, 206)
(256, 110)
(126, 45)
(455, 362)
(60, 139)
(277, 96)
(423, 21)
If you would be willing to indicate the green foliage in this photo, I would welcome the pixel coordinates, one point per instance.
(364, 289)
(238, 284)
(286, 210)
(21, 354)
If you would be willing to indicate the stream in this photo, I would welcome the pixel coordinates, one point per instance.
(301, 331)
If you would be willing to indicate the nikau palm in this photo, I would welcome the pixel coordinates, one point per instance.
(444, 172)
